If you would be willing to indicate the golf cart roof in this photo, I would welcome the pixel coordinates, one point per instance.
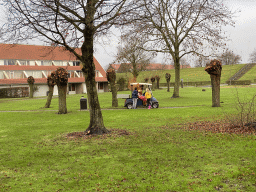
(140, 83)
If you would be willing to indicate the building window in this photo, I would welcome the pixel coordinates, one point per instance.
(9, 62)
(100, 85)
(72, 87)
(11, 73)
(23, 62)
(76, 63)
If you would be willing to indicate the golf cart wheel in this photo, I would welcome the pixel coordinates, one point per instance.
(155, 105)
(129, 106)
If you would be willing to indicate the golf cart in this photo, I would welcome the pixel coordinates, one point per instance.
(141, 102)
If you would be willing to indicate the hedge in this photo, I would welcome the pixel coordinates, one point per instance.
(239, 82)
(14, 92)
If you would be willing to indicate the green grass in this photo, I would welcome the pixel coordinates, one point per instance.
(158, 155)
(188, 75)
(250, 75)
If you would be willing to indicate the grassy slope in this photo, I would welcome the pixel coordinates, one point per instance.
(190, 75)
(36, 156)
(250, 75)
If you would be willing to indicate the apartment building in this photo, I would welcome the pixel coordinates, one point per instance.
(18, 62)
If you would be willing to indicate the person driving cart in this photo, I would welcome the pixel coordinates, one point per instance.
(142, 97)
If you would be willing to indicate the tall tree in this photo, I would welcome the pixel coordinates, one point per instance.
(50, 83)
(111, 76)
(229, 58)
(31, 82)
(71, 24)
(181, 27)
(132, 54)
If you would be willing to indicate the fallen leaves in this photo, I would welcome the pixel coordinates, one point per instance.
(85, 135)
(220, 126)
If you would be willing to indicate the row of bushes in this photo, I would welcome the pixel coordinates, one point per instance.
(14, 92)
(124, 86)
(239, 82)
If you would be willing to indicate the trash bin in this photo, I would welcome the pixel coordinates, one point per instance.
(83, 103)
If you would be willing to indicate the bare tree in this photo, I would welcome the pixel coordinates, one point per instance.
(229, 58)
(201, 61)
(181, 27)
(124, 68)
(253, 56)
(184, 63)
(132, 55)
(71, 24)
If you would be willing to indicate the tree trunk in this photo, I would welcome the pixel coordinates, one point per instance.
(49, 98)
(215, 82)
(31, 90)
(176, 92)
(168, 86)
(96, 125)
(114, 95)
(153, 87)
(157, 84)
(62, 91)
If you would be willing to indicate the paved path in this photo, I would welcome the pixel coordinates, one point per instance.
(101, 109)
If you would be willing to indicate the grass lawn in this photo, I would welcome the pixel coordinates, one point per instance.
(156, 155)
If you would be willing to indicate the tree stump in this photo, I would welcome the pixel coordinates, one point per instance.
(111, 76)
(31, 82)
(152, 79)
(157, 81)
(214, 70)
(50, 83)
(60, 76)
(168, 79)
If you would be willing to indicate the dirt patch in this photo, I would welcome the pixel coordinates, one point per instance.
(220, 127)
(112, 133)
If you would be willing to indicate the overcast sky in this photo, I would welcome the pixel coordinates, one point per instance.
(243, 35)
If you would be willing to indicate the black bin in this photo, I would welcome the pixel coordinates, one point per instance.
(83, 103)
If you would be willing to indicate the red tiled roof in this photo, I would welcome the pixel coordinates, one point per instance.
(115, 66)
(35, 52)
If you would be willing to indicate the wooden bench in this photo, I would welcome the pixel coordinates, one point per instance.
(123, 96)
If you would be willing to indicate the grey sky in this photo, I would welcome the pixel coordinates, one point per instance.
(243, 36)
